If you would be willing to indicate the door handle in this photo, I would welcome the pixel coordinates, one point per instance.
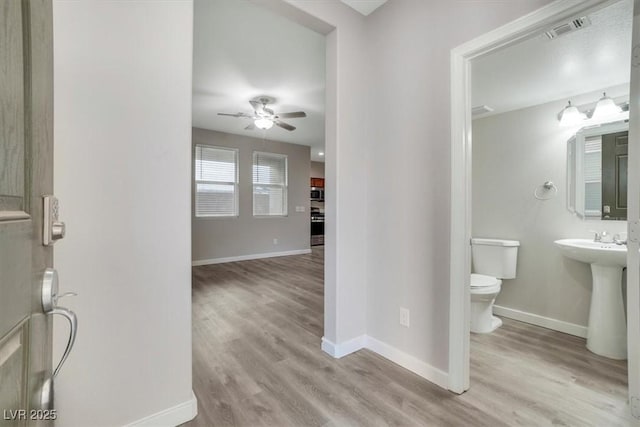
(50, 299)
(73, 330)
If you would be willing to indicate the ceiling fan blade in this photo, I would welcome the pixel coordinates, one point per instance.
(284, 125)
(236, 115)
(292, 115)
(258, 107)
(251, 126)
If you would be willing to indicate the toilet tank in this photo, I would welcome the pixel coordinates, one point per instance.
(495, 257)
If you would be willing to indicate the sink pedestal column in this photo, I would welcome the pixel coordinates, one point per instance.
(607, 331)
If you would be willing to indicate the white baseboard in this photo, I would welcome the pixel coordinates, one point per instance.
(409, 362)
(545, 322)
(396, 356)
(345, 348)
(171, 417)
(249, 257)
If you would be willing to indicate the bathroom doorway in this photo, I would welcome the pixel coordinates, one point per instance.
(514, 186)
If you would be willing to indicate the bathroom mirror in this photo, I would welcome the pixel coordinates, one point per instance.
(597, 172)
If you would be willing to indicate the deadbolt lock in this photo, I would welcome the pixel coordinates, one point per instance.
(53, 228)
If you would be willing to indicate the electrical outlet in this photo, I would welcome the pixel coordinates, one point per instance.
(405, 317)
(275, 241)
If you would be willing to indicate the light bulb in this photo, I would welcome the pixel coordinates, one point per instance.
(571, 116)
(605, 108)
(264, 123)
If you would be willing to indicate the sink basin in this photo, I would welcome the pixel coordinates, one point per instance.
(607, 329)
(594, 252)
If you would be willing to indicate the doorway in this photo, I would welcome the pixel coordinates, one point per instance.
(461, 225)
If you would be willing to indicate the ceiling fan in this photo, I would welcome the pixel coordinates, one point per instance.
(264, 117)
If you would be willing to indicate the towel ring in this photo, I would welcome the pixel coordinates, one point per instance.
(547, 186)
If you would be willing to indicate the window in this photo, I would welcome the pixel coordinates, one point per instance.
(269, 184)
(216, 176)
(592, 176)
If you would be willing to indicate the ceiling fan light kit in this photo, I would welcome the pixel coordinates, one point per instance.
(263, 124)
(264, 118)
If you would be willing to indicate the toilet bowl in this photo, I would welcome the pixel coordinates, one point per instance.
(484, 290)
(493, 260)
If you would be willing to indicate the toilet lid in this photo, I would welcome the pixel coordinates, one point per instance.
(482, 281)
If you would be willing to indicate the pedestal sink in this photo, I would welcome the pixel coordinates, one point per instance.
(607, 330)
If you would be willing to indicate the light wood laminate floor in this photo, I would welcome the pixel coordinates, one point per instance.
(257, 361)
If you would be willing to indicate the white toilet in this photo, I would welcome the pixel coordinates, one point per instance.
(493, 260)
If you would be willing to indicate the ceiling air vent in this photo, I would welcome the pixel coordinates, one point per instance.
(568, 27)
(481, 109)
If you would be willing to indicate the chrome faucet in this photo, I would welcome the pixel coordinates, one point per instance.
(618, 240)
(604, 237)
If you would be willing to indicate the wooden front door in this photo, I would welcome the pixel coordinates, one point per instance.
(26, 174)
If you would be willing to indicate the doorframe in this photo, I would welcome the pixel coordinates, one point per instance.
(633, 225)
(461, 162)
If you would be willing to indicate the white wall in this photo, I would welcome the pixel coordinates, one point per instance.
(408, 164)
(513, 153)
(122, 173)
(317, 169)
(245, 235)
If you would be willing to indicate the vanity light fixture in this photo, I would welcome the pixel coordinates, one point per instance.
(606, 111)
(571, 116)
(605, 108)
(263, 123)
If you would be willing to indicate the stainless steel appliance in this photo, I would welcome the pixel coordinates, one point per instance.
(317, 194)
(317, 228)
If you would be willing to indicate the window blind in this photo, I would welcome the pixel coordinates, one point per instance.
(216, 181)
(593, 176)
(269, 184)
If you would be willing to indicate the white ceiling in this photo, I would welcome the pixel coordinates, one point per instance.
(241, 51)
(539, 70)
(365, 7)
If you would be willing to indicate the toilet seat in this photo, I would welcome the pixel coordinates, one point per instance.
(482, 281)
(481, 284)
